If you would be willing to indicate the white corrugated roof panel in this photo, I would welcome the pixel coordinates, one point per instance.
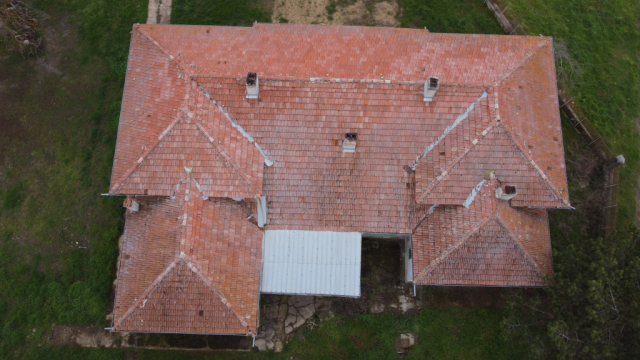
(311, 263)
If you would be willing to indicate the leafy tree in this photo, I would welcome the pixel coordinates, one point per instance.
(591, 307)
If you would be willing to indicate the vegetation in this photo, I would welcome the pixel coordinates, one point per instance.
(590, 309)
(454, 16)
(18, 27)
(58, 236)
(219, 12)
(600, 43)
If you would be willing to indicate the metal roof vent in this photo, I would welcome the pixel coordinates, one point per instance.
(349, 142)
(253, 85)
(507, 192)
(431, 87)
(131, 204)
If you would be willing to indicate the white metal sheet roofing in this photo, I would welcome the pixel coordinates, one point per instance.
(311, 263)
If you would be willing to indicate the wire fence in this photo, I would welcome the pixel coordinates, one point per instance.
(581, 123)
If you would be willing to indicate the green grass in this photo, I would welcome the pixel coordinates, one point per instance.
(219, 12)
(449, 16)
(58, 235)
(603, 38)
(441, 334)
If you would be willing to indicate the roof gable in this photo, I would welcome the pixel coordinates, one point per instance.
(155, 92)
(495, 152)
(212, 238)
(183, 301)
(490, 256)
(185, 145)
(454, 236)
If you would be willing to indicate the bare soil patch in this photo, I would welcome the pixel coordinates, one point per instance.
(360, 12)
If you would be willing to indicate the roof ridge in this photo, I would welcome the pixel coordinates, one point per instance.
(234, 165)
(146, 154)
(147, 292)
(209, 284)
(552, 186)
(457, 160)
(524, 252)
(162, 49)
(235, 125)
(521, 62)
(435, 263)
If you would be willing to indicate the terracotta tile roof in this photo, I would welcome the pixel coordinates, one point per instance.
(185, 108)
(188, 265)
(495, 151)
(491, 244)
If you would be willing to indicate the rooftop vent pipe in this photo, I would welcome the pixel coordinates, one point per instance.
(131, 204)
(506, 192)
(431, 87)
(349, 142)
(253, 85)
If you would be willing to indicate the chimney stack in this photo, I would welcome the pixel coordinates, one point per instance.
(431, 87)
(253, 85)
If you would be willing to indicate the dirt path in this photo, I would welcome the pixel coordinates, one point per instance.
(361, 12)
(159, 12)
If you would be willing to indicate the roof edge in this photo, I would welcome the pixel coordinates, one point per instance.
(435, 263)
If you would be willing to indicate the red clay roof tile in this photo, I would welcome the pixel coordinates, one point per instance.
(185, 105)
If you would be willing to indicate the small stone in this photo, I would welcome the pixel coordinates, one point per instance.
(269, 332)
(307, 311)
(377, 308)
(291, 319)
(270, 345)
(406, 303)
(261, 344)
(279, 346)
(407, 340)
(288, 330)
(299, 322)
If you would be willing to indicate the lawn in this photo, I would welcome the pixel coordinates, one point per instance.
(58, 236)
(602, 39)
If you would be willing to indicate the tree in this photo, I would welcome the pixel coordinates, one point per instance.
(591, 307)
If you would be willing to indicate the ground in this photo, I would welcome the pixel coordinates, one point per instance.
(58, 237)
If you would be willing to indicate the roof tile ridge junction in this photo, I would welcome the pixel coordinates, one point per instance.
(147, 292)
(209, 284)
(434, 263)
(234, 165)
(449, 128)
(524, 252)
(126, 175)
(267, 161)
(162, 49)
(552, 186)
(457, 160)
(522, 61)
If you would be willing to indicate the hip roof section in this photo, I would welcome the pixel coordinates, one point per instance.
(182, 248)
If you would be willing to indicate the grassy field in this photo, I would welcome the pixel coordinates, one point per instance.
(602, 41)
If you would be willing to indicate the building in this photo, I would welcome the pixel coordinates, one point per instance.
(255, 159)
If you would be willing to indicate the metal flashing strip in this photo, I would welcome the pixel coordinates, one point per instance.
(449, 128)
(311, 263)
(473, 194)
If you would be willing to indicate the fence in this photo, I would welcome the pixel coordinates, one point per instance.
(582, 125)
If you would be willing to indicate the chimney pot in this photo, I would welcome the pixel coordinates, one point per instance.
(431, 87)
(253, 85)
